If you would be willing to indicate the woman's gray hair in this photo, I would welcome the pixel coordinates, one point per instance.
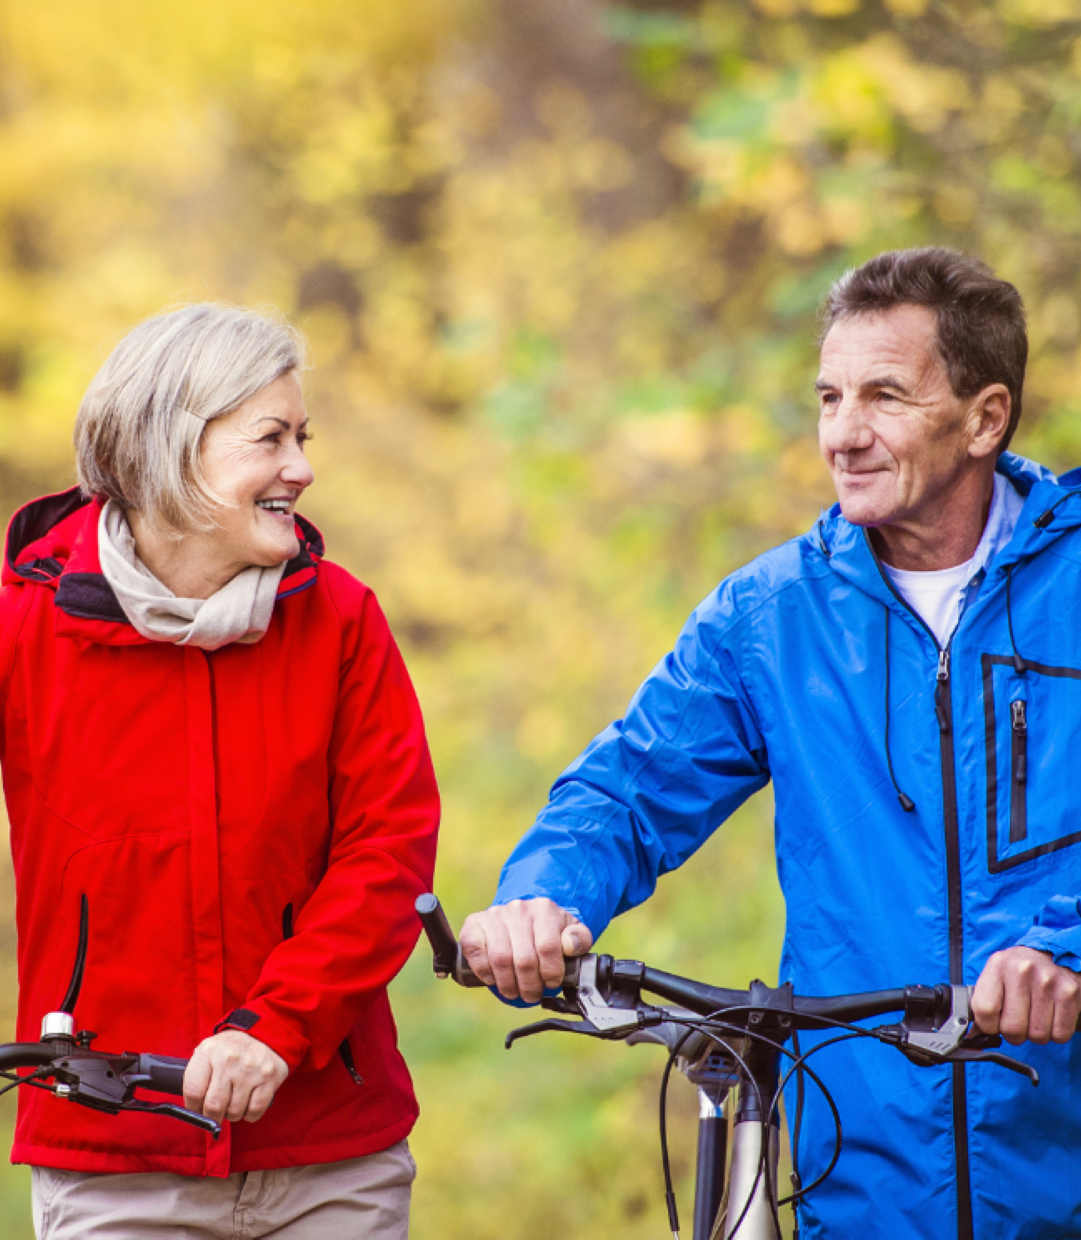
(138, 432)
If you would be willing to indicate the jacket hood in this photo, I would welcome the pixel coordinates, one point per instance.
(53, 542)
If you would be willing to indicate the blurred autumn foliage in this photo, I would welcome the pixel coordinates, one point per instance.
(559, 262)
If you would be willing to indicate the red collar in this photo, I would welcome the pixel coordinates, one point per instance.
(53, 541)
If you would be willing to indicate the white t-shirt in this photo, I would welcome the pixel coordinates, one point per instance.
(937, 596)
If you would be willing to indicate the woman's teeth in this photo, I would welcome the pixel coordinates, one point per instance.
(274, 505)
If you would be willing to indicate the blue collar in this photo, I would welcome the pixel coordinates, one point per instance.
(1006, 505)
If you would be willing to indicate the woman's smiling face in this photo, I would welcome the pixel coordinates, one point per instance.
(253, 462)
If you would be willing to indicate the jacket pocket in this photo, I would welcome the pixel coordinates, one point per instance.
(345, 1051)
(1032, 725)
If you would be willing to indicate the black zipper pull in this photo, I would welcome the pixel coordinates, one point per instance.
(1020, 727)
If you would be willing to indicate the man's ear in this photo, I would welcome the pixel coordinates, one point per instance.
(990, 415)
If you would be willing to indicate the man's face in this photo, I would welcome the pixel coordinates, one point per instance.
(892, 432)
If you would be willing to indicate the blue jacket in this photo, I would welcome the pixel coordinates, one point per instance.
(784, 673)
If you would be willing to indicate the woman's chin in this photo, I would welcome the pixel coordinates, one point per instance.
(287, 553)
(271, 554)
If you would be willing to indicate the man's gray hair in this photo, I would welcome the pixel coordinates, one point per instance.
(137, 436)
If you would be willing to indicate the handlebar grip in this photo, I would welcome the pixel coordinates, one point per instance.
(462, 973)
(465, 976)
(447, 955)
(26, 1055)
(165, 1075)
(440, 935)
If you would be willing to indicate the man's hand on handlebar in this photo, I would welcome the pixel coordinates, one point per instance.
(233, 1076)
(1023, 995)
(519, 947)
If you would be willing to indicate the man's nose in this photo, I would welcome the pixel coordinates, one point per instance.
(848, 428)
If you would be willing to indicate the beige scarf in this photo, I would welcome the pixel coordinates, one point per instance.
(239, 612)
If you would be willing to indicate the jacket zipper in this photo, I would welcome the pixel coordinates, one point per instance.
(944, 714)
(1019, 771)
(944, 711)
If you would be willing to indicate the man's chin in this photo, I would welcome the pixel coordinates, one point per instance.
(857, 511)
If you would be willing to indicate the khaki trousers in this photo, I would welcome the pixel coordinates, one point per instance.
(359, 1199)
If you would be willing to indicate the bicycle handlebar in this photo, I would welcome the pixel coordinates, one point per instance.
(64, 1064)
(160, 1073)
(807, 1011)
(164, 1074)
(606, 993)
(103, 1082)
(697, 997)
(25, 1055)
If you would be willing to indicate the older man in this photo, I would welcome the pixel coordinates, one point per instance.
(908, 673)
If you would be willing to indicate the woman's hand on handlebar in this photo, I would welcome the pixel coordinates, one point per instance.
(519, 947)
(233, 1076)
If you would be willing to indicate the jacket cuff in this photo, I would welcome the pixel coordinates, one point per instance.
(256, 1020)
(238, 1018)
(533, 877)
(1061, 952)
(1057, 930)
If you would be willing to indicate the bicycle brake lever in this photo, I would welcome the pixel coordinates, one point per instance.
(928, 1035)
(176, 1112)
(952, 1040)
(584, 1027)
(964, 1055)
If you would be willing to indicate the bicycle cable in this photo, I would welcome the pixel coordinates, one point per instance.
(762, 1168)
(711, 1027)
(763, 1161)
(797, 1124)
(35, 1078)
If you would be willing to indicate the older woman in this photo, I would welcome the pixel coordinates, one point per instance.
(210, 733)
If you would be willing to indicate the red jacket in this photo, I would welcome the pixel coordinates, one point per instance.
(251, 827)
